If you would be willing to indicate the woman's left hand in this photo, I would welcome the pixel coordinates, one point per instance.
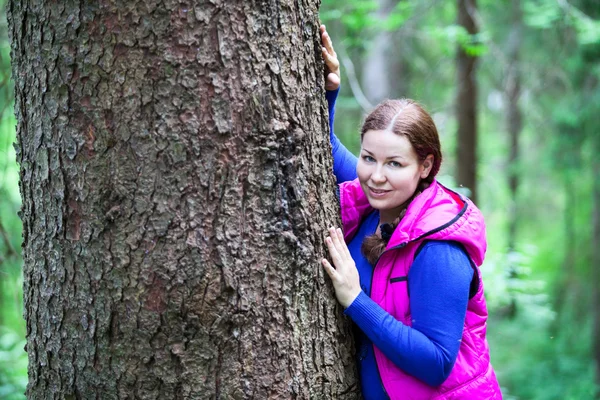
(332, 65)
(344, 276)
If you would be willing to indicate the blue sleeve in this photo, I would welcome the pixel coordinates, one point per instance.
(438, 283)
(344, 162)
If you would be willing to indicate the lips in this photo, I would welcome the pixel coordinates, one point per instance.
(377, 192)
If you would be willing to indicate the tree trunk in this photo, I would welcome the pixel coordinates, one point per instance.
(514, 122)
(175, 182)
(514, 118)
(466, 105)
(385, 70)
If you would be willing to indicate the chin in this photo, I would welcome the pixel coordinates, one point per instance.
(380, 205)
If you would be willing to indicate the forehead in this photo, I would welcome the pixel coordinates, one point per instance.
(387, 144)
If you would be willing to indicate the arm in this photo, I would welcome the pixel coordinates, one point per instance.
(344, 162)
(439, 282)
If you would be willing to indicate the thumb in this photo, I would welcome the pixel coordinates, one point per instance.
(332, 82)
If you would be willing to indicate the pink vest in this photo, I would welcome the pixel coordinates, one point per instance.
(436, 214)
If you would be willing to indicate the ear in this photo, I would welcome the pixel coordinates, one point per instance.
(426, 166)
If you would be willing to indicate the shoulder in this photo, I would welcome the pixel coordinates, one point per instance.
(444, 215)
(448, 247)
(443, 258)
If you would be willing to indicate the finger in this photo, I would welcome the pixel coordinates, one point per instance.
(332, 82)
(340, 235)
(332, 62)
(327, 42)
(339, 245)
(326, 55)
(330, 270)
(335, 255)
(322, 29)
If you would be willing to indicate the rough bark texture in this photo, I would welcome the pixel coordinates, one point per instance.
(175, 181)
(466, 105)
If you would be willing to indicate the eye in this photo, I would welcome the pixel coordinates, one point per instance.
(368, 159)
(395, 164)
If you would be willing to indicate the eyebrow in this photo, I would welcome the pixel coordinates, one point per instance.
(387, 158)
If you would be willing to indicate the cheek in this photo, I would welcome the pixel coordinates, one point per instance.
(362, 171)
(406, 181)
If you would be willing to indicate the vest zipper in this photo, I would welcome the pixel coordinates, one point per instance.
(401, 245)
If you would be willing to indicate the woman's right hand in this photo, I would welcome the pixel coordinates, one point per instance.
(332, 64)
(345, 277)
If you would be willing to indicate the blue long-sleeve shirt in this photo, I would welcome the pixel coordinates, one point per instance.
(344, 162)
(438, 283)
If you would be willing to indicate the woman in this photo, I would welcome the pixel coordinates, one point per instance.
(406, 267)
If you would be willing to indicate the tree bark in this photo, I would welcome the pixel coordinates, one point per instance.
(466, 105)
(175, 182)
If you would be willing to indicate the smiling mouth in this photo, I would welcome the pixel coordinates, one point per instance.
(378, 192)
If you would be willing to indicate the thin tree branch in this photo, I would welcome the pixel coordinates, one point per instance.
(360, 97)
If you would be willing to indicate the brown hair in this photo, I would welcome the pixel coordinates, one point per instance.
(407, 118)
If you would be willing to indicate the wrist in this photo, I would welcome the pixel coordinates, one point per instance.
(348, 300)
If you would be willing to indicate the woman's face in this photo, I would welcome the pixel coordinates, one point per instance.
(389, 171)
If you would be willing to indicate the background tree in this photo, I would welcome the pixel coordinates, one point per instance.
(175, 183)
(514, 124)
(466, 103)
(385, 69)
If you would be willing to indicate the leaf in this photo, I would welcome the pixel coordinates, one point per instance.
(541, 14)
(399, 15)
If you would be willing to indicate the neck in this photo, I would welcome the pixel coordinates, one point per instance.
(389, 216)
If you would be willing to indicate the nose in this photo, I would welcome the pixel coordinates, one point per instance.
(378, 176)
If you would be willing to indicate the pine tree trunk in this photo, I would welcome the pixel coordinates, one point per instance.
(175, 182)
(466, 105)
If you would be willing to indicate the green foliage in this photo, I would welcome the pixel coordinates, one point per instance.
(456, 35)
(534, 364)
(402, 12)
(13, 375)
(355, 16)
(545, 14)
(541, 14)
(13, 359)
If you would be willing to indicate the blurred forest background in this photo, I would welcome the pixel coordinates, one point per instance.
(536, 75)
